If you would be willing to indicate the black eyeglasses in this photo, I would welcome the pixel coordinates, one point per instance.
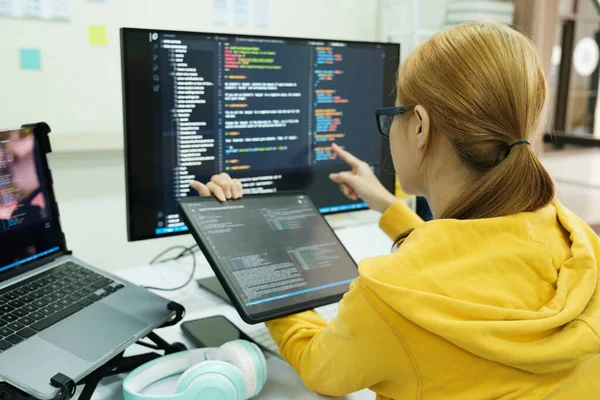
(385, 117)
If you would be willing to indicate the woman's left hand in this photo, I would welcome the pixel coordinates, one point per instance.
(222, 186)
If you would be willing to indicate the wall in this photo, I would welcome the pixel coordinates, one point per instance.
(410, 22)
(78, 90)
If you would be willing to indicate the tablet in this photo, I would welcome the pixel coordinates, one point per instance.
(274, 254)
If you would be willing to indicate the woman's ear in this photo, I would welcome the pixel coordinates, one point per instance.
(422, 130)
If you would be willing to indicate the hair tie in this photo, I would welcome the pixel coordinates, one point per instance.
(518, 142)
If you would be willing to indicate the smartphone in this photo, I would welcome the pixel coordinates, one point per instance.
(212, 331)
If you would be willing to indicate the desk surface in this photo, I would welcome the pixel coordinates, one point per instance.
(361, 242)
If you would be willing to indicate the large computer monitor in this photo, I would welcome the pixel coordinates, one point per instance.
(263, 109)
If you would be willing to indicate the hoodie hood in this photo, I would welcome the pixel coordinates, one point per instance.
(520, 290)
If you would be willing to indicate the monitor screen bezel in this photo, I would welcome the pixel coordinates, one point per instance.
(133, 195)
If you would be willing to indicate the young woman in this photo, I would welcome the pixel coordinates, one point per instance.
(498, 297)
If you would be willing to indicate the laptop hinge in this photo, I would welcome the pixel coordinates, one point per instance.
(33, 265)
(48, 259)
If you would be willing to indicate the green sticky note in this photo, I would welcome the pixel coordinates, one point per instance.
(97, 35)
(30, 59)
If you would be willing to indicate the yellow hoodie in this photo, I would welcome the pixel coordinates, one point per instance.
(499, 308)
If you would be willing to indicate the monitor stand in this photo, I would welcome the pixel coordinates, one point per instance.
(213, 286)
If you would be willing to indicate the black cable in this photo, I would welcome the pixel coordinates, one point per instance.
(187, 250)
(195, 248)
(162, 253)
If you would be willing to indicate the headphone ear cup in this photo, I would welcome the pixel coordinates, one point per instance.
(249, 359)
(212, 380)
(259, 360)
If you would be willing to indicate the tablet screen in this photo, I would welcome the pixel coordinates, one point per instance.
(276, 254)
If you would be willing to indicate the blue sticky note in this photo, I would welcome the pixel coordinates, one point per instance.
(31, 59)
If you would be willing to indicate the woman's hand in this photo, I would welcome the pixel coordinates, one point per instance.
(361, 182)
(222, 186)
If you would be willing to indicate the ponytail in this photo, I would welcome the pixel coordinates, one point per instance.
(483, 103)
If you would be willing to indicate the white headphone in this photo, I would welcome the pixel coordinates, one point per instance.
(235, 371)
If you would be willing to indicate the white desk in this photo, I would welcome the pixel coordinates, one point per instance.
(361, 241)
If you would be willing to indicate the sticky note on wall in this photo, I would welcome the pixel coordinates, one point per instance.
(30, 59)
(97, 35)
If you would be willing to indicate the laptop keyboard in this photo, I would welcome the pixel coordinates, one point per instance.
(31, 306)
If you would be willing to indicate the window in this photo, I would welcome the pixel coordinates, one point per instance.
(575, 74)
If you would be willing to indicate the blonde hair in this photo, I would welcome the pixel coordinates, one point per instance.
(484, 89)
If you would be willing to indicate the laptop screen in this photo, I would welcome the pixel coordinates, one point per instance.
(27, 231)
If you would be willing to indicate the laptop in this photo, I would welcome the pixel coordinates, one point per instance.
(57, 313)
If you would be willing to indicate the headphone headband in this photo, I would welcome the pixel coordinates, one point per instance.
(235, 371)
(161, 368)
